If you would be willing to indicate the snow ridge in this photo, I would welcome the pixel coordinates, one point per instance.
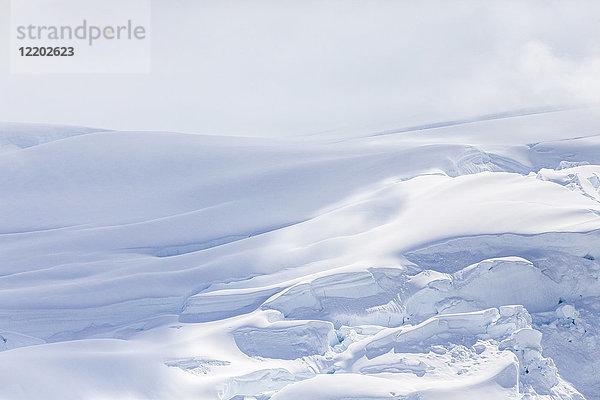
(460, 262)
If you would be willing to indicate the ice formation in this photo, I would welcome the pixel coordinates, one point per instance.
(454, 262)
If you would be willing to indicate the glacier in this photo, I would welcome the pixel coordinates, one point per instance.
(452, 261)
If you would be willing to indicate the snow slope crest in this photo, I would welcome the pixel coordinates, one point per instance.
(454, 262)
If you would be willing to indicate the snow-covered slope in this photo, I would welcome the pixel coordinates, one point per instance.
(456, 262)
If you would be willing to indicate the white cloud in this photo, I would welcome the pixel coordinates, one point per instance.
(293, 67)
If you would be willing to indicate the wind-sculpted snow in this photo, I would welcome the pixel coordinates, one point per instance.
(286, 340)
(212, 306)
(453, 262)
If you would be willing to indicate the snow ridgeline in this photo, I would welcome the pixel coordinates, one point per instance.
(458, 262)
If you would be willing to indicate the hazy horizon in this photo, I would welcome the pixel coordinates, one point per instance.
(219, 68)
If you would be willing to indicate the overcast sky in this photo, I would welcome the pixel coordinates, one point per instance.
(300, 67)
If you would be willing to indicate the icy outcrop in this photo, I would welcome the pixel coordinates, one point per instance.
(491, 351)
(196, 365)
(473, 161)
(581, 179)
(572, 339)
(350, 298)
(436, 330)
(454, 254)
(286, 340)
(455, 319)
(205, 307)
(391, 297)
(509, 280)
(449, 342)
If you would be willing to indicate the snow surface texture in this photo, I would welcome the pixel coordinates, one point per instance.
(453, 262)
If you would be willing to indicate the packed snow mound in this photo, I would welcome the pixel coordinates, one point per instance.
(453, 262)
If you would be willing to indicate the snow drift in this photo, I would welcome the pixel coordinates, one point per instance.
(454, 262)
